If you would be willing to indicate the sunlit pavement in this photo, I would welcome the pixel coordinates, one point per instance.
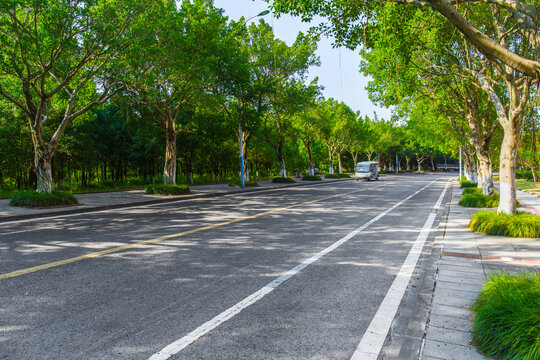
(465, 260)
(127, 283)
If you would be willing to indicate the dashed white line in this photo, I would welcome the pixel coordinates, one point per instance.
(182, 343)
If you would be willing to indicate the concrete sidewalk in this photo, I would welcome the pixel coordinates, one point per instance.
(117, 199)
(467, 259)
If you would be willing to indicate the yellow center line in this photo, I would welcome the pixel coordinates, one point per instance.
(167, 237)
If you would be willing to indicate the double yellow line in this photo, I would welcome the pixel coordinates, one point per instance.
(167, 237)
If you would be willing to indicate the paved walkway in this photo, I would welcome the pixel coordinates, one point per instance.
(467, 259)
(97, 201)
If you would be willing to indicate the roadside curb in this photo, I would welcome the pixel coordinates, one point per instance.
(159, 201)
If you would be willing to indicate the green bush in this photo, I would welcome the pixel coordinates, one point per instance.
(162, 189)
(332, 176)
(518, 225)
(35, 199)
(344, 176)
(527, 175)
(236, 183)
(472, 190)
(479, 200)
(467, 184)
(312, 178)
(280, 180)
(507, 321)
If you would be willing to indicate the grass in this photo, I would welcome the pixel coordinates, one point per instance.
(280, 180)
(476, 199)
(236, 183)
(162, 189)
(467, 184)
(521, 225)
(529, 186)
(507, 321)
(312, 178)
(42, 200)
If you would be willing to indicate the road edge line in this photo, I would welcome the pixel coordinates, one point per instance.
(374, 337)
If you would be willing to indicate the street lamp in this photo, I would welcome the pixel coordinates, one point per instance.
(240, 135)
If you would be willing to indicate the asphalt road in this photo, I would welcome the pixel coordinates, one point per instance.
(204, 257)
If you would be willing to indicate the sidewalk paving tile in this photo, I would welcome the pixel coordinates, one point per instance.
(451, 336)
(454, 311)
(461, 294)
(443, 350)
(450, 285)
(449, 322)
(453, 301)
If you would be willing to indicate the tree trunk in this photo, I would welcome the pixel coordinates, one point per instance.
(485, 174)
(507, 204)
(408, 162)
(283, 168)
(331, 166)
(340, 170)
(42, 162)
(311, 169)
(169, 170)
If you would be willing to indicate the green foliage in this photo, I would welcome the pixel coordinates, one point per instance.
(42, 200)
(472, 190)
(521, 224)
(476, 199)
(280, 180)
(467, 184)
(344, 176)
(332, 176)
(527, 175)
(236, 183)
(167, 189)
(507, 321)
(312, 178)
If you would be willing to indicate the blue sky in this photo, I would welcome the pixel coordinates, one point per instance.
(341, 79)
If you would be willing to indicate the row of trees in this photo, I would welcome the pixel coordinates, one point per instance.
(463, 70)
(99, 90)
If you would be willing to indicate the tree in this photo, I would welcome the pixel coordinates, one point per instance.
(59, 61)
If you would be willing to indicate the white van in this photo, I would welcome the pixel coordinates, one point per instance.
(367, 170)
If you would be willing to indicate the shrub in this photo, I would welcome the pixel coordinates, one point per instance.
(518, 225)
(35, 199)
(312, 178)
(280, 180)
(344, 176)
(472, 190)
(478, 200)
(332, 176)
(507, 321)
(168, 189)
(236, 183)
(467, 184)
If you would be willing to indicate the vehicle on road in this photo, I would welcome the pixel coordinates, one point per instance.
(368, 170)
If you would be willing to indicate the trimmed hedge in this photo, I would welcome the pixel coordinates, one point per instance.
(280, 180)
(312, 178)
(521, 224)
(332, 176)
(167, 189)
(507, 321)
(41, 200)
(236, 183)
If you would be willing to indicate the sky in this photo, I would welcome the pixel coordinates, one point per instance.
(338, 72)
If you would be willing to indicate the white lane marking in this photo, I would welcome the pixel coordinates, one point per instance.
(371, 344)
(158, 204)
(182, 343)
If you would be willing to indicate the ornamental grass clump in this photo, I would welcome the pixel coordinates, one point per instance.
(42, 200)
(520, 225)
(476, 199)
(467, 184)
(507, 321)
(167, 189)
(312, 178)
(283, 180)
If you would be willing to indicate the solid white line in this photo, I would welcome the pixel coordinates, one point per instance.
(182, 343)
(371, 344)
